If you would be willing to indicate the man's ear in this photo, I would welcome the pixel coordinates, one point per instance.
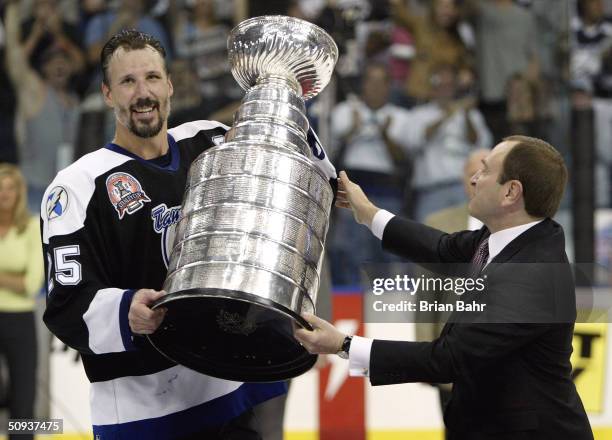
(514, 192)
(106, 92)
(170, 86)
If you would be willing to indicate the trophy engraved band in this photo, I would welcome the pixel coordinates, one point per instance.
(249, 246)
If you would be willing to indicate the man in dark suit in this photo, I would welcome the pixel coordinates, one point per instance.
(511, 364)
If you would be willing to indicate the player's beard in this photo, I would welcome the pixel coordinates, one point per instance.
(140, 128)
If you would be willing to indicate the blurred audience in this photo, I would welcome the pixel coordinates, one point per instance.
(86, 11)
(506, 61)
(131, 14)
(21, 277)
(439, 38)
(47, 110)
(47, 30)
(471, 72)
(591, 81)
(591, 49)
(188, 104)
(202, 39)
(370, 144)
(442, 135)
(8, 104)
(487, 45)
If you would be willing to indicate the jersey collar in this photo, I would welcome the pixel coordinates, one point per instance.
(172, 148)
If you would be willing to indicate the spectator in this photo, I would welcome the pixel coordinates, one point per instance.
(8, 103)
(442, 135)
(47, 29)
(591, 44)
(128, 15)
(202, 39)
(188, 104)
(341, 20)
(602, 109)
(591, 80)
(47, 109)
(370, 142)
(89, 9)
(21, 277)
(505, 49)
(438, 38)
(401, 53)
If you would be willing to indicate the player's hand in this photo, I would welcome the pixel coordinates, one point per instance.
(351, 196)
(142, 319)
(323, 339)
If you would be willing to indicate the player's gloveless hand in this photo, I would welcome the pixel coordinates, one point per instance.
(143, 320)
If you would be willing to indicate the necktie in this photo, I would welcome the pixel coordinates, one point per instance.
(480, 258)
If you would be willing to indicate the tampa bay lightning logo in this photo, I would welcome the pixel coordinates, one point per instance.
(315, 144)
(164, 223)
(57, 202)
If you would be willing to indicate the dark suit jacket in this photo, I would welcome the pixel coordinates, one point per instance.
(512, 378)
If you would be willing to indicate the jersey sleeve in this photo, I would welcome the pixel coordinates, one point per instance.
(83, 309)
(33, 275)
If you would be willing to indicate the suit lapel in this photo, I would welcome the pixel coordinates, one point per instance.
(545, 227)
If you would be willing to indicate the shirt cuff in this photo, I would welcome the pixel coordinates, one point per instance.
(379, 222)
(359, 356)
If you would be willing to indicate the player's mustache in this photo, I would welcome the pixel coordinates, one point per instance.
(143, 103)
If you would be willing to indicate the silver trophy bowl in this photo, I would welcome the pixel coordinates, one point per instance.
(248, 248)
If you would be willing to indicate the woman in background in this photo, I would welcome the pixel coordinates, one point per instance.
(21, 277)
(440, 37)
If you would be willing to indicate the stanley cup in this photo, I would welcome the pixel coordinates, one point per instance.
(249, 246)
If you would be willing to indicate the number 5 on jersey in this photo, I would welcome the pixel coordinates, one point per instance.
(67, 269)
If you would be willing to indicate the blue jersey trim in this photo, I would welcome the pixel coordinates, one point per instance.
(173, 148)
(124, 325)
(209, 414)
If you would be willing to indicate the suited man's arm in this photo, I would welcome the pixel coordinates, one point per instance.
(407, 238)
(458, 355)
(462, 353)
(423, 244)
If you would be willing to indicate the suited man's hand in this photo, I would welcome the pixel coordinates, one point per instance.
(323, 339)
(351, 196)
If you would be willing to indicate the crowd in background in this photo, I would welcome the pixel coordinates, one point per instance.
(418, 86)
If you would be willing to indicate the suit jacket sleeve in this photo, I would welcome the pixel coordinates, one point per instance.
(462, 352)
(423, 244)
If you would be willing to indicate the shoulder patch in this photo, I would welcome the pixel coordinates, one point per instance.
(57, 202)
(125, 193)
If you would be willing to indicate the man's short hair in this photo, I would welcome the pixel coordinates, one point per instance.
(129, 39)
(541, 170)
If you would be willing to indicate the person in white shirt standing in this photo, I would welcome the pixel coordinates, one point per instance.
(370, 142)
(442, 135)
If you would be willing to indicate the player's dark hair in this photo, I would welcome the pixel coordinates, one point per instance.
(129, 39)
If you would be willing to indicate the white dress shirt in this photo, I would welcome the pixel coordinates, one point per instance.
(439, 159)
(359, 353)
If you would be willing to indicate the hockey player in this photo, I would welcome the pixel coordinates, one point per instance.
(106, 225)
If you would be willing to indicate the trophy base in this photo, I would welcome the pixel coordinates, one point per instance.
(231, 335)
